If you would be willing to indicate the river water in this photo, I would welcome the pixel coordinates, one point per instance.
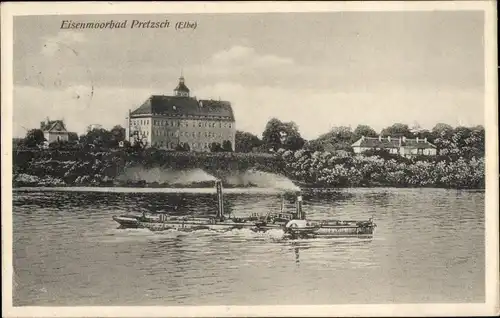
(428, 247)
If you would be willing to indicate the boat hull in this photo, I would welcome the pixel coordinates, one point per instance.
(318, 230)
(192, 224)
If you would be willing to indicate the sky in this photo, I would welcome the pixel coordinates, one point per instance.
(319, 70)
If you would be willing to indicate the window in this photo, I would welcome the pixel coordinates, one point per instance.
(229, 125)
(220, 125)
(194, 134)
(199, 124)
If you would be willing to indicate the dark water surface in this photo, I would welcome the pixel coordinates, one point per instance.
(428, 247)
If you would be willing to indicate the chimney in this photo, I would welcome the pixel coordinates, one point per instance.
(404, 138)
(417, 139)
(425, 139)
(379, 137)
(389, 138)
(362, 137)
(400, 140)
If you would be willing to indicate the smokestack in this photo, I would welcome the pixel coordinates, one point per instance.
(299, 208)
(388, 138)
(425, 139)
(379, 137)
(417, 139)
(220, 200)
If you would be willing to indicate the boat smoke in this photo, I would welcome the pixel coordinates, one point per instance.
(262, 180)
(165, 176)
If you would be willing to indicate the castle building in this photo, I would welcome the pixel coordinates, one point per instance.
(167, 122)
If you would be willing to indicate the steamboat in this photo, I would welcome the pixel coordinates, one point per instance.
(163, 221)
(293, 224)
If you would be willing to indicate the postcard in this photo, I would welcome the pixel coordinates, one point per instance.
(249, 159)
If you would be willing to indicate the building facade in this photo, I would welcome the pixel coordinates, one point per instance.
(167, 122)
(54, 130)
(401, 145)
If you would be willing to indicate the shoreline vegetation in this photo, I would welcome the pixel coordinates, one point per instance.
(281, 159)
(160, 168)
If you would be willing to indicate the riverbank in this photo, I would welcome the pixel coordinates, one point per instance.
(153, 168)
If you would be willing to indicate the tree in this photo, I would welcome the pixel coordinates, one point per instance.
(271, 136)
(246, 142)
(363, 130)
(338, 138)
(442, 131)
(397, 130)
(117, 135)
(215, 147)
(278, 134)
(314, 145)
(72, 137)
(227, 146)
(98, 137)
(34, 137)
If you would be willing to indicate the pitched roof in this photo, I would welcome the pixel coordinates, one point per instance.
(184, 106)
(421, 144)
(370, 142)
(50, 125)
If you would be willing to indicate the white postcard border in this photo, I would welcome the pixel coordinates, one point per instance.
(490, 307)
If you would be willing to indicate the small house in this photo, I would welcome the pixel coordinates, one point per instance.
(54, 130)
(403, 146)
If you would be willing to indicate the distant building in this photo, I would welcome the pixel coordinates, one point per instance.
(54, 130)
(401, 145)
(168, 121)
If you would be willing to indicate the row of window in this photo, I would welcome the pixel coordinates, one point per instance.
(138, 133)
(207, 134)
(420, 151)
(177, 123)
(194, 145)
(139, 122)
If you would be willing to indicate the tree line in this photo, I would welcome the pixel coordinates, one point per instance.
(450, 141)
(96, 137)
